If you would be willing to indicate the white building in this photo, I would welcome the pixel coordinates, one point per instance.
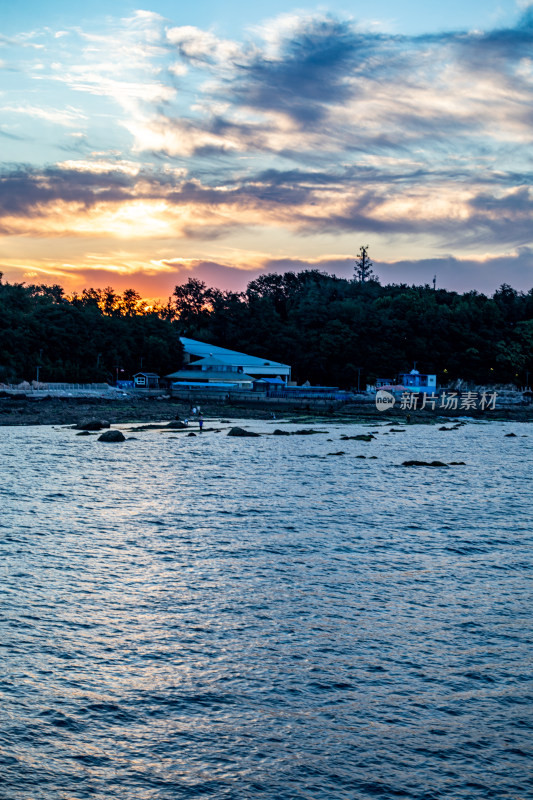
(207, 363)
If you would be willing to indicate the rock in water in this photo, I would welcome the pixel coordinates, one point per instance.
(241, 432)
(424, 464)
(177, 424)
(83, 433)
(92, 424)
(279, 432)
(112, 436)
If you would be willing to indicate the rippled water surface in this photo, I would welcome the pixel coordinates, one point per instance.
(254, 618)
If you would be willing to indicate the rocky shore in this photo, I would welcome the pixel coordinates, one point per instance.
(22, 410)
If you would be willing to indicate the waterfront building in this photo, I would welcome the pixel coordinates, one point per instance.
(415, 381)
(146, 380)
(208, 364)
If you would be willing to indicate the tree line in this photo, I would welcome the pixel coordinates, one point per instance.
(95, 336)
(332, 331)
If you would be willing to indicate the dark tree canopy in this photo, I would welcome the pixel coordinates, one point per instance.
(331, 331)
(84, 338)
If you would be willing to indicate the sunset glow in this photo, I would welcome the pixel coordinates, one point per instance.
(143, 147)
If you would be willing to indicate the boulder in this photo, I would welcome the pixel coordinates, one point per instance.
(190, 434)
(177, 424)
(112, 436)
(424, 464)
(306, 432)
(279, 432)
(241, 432)
(338, 453)
(362, 437)
(83, 433)
(507, 435)
(92, 425)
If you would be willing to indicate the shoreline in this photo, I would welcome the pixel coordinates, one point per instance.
(16, 411)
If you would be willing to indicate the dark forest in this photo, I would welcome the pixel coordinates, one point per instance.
(332, 331)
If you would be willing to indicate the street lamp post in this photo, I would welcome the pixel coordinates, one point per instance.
(117, 369)
(38, 366)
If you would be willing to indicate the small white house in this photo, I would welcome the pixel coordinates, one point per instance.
(146, 380)
(416, 382)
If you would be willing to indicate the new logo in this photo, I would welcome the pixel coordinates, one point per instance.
(384, 400)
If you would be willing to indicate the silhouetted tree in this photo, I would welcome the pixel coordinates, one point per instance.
(363, 266)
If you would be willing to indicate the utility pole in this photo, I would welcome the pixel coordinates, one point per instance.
(39, 365)
(434, 282)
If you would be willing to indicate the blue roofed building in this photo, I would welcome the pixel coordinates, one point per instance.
(205, 363)
(414, 381)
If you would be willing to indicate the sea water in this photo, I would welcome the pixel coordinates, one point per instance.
(216, 617)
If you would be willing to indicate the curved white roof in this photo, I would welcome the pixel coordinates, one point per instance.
(251, 364)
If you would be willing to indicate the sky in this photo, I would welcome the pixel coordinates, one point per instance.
(143, 144)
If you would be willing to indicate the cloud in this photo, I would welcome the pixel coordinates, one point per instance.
(310, 71)
(117, 198)
(67, 117)
(309, 128)
(201, 47)
(484, 274)
(155, 278)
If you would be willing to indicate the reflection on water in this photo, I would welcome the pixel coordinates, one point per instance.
(254, 618)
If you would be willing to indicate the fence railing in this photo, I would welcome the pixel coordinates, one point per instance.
(35, 386)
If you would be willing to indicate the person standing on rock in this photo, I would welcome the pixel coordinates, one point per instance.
(200, 422)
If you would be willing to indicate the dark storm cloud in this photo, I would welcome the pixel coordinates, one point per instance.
(308, 75)
(27, 191)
